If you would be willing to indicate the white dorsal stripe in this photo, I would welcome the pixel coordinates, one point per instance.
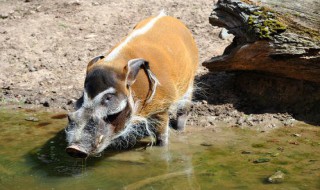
(112, 55)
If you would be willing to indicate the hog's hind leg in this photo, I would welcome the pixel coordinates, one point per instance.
(161, 128)
(182, 111)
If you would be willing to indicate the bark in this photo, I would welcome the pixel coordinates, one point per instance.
(278, 37)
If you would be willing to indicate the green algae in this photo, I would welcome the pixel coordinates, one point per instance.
(33, 157)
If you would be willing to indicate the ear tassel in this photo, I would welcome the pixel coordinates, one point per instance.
(155, 82)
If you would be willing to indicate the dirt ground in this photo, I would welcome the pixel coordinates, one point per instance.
(46, 45)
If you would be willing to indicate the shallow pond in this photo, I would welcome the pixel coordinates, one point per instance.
(32, 157)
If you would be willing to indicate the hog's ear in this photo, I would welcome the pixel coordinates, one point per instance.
(94, 60)
(132, 69)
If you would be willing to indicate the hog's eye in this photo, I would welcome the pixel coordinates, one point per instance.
(107, 98)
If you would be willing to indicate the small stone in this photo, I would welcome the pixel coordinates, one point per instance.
(28, 101)
(240, 121)
(206, 144)
(32, 69)
(39, 8)
(277, 177)
(294, 143)
(95, 4)
(280, 148)
(261, 160)
(296, 135)
(46, 104)
(275, 154)
(224, 35)
(31, 118)
(89, 36)
(4, 15)
(76, 2)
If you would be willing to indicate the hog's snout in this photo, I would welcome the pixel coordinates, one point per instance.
(76, 152)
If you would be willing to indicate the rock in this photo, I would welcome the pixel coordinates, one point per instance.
(240, 121)
(277, 177)
(261, 160)
(4, 15)
(211, 120)
(39, 8)
(31, 118)
(46, 104)
(32, 69)
(72, 3)
(89, 36)
(95, 3)
(264, 43)
(28, 101)
(296, 135)
(203, 122)
(206, 144)
(76, 2)
(224, 35)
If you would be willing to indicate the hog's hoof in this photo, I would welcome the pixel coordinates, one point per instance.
(162, 140)
(179, 123)
(161, 143)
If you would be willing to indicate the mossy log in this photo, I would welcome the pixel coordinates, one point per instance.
(277, 37)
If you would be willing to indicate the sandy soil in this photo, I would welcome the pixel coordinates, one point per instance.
(45, 46)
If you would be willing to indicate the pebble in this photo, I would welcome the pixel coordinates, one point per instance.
(277, 177)
(296, 135)
(261, 160)
(89, 36)
(46, 104)
(32, 69)
(76, 2)
(224, 35)
(280, 148)
(4, 15)
(39, 8)
(31, 118)
(206, 144)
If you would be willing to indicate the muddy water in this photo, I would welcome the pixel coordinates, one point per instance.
(32, 157)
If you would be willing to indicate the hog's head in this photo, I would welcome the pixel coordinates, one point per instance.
(105, 107)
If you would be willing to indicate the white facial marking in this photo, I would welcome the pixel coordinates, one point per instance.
(133, 35)
(89, 103)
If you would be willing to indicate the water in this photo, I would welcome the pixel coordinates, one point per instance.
(32, 157)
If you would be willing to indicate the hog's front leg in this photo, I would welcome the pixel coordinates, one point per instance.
(162, 128)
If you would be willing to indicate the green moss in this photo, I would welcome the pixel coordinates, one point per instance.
(264, 24)
(258, 145)
(251, 20)
(275, 26)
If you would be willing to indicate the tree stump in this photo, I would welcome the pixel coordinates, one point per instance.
(280, 38)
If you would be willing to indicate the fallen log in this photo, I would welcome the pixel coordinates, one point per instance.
(280, 38)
